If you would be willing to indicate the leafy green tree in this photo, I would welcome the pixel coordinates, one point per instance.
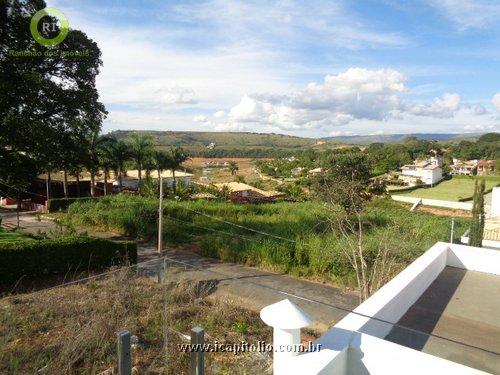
(233, 167)
(477, 226)
(120, 153)
(106, 160)
(162, 160)
(44, 99)
(141, 149)
(94, 145)
(346, 181)
(178, 156)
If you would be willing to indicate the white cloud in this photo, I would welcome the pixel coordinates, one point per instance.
(219, 114)
(480, 110)
(469, 13)
(496, 101)
(177, 95)
(444, 107)
(355, 94)
(200, 118)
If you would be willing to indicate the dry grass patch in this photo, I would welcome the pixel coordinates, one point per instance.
(72, 329)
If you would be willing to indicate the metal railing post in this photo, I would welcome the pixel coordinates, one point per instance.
(197, 355)
(124, 353)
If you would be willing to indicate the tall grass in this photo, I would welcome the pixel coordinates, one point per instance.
(313, 251)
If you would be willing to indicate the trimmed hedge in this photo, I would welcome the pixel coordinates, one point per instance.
(31, 259)
(62, 204)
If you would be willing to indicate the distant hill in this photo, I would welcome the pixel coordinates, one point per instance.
(229, 143)
(269, 144)
(395, 138)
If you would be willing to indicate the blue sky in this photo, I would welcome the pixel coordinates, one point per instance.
(314, 68)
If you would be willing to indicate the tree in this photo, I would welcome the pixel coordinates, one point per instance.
(162, 160)
(120, 153)
(344, 192)
(477, 226)
(44, 99)
(178, 156)
(233, 167)
(95, 145)
(106, 160)
(141, 148)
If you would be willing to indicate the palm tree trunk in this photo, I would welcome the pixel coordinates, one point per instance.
(139, 169)
(47, 186)
(120, 178)
(78, 192)
(173, 181)
(92, 184)
(65, 182)
(106, 182)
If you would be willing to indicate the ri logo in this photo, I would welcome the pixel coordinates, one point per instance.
(53, 23)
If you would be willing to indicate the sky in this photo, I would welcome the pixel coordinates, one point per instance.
(307, 68)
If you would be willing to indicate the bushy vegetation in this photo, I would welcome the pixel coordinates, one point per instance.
(310, 249)
(62, 204)
(31, 259)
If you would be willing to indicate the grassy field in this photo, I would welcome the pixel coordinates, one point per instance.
(459, 187)
(72, 329)
(9, 236)
(303, 245)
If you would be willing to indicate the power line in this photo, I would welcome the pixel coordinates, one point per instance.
(240, 226)
(229, 277)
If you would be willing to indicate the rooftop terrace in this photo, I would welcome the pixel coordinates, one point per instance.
(459, 305)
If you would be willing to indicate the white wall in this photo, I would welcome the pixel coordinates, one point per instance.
(368, 352)
(495, 202)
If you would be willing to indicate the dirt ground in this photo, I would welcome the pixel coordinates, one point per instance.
(444, 211)
(218, 173)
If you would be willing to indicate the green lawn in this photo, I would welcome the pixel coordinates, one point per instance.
(452, 190)
(7, 236)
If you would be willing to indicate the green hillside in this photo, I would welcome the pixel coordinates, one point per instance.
(245, 144)
(229, 143)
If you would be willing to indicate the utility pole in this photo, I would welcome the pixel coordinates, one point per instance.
(18, 208)
(160, 219)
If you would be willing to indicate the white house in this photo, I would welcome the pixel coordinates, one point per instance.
(130, 180)
(440, 315)
(426, 172)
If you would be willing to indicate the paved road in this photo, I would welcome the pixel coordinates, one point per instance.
(248, 286)
(254, 288)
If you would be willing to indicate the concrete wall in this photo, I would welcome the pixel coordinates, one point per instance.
(434, 202)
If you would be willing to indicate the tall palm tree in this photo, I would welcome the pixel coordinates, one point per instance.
(178, 156)
(162, 160)
(233, 167)
(106, 160)
(120, 153)
(95, 145)
(141, 148)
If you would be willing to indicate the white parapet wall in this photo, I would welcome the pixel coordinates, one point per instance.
(356, 344)
(495, 202)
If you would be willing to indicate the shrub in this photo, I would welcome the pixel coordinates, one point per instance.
(45, 257)
(62, 204)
